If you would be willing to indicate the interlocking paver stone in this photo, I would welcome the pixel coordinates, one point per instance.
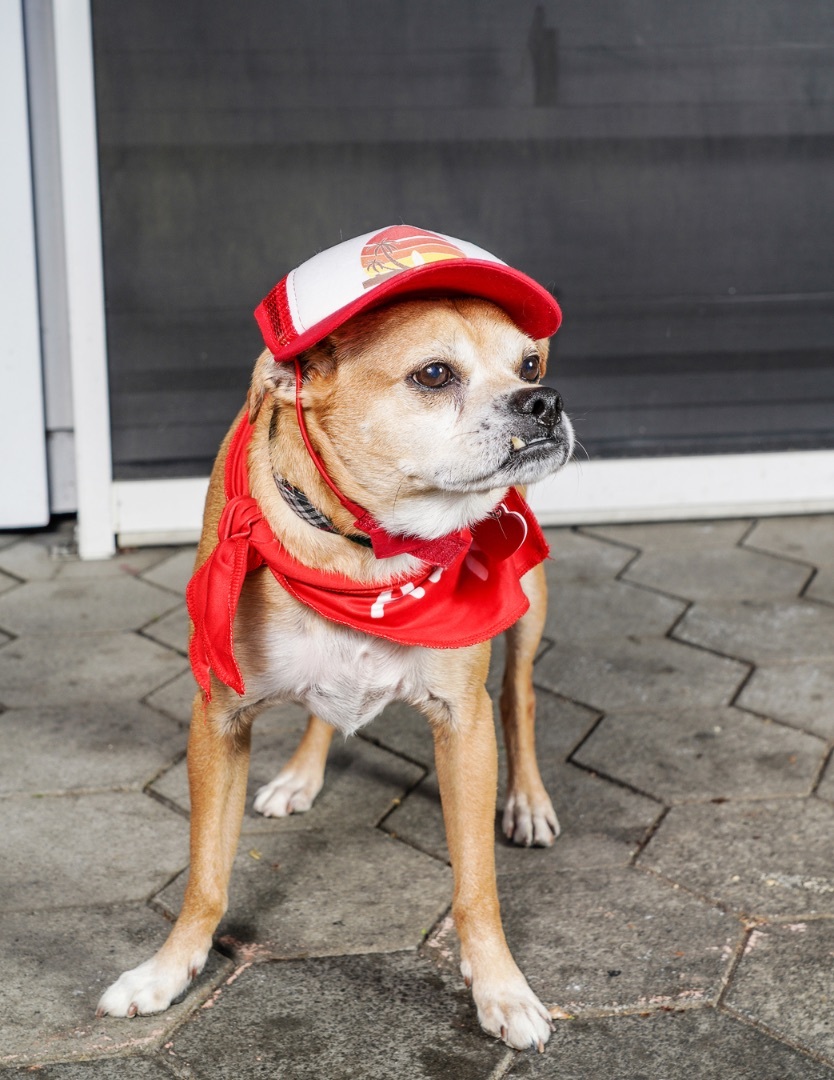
(404, 730)
(128, 1068)
(56, 964)
(769, 858)
(317, 893)
(810, 539)
(59, 669)
(796, 959)
(87, 849)
(701, 1043)
(75, 606)
(575, 556)
(650, 673)
(673, 535)
(131, 562)
(801, 694)
(175, 571)
(360, 785)
(614, 939)
(176, 697)
(705, 754)
(86, 747)
(170, 629)
(35, 558)
(718, 573)
(761, 631)
(597, 611)
(50, 555)
(347, 1018)
(7, 582)
(826, 786)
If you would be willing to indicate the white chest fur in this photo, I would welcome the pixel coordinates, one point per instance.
(343, 676)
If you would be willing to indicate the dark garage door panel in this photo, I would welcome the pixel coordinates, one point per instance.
(669, 175)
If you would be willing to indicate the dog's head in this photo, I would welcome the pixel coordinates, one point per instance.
(426, 411)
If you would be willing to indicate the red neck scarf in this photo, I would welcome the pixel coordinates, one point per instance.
(474, 598)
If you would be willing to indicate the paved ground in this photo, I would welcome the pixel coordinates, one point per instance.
(685, 917)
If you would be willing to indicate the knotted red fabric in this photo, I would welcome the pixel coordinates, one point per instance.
(476, 597)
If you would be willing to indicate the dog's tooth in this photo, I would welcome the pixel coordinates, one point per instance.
(518, 444)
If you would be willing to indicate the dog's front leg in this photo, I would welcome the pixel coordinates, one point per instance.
(218, 763)
(529, 817)
(467, 769)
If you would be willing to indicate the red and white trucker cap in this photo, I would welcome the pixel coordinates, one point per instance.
(388, 264)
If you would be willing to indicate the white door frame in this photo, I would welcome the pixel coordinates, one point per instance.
(84, 275)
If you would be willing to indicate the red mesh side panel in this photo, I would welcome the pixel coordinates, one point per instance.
(277, 316)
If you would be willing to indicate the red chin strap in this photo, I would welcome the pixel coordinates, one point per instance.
(440, 552)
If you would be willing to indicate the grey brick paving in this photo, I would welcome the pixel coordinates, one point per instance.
(58, 669)
(762, 631)
(704, 754)
(316, 893)
(797, 958)
(718, 573)
(703, 1044)
(77, 605)
(102, 745)
(170, 629)
(801, 694)
(612, 939)
(684, 728)
(101, 849)
(56, 965)
(346, 1018)
(764, 858)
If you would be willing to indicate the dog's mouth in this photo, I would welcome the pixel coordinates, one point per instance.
(539, 450)
(525, 447)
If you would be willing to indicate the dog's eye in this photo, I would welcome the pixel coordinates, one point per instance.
(433, 375)
(531, 368)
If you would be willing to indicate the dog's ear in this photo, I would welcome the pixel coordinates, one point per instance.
(269, 377)
(278, 378)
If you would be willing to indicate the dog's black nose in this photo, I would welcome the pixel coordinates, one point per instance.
(542, 403)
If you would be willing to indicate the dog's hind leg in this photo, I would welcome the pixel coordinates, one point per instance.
(529, 818)
(218, 764)
(295, 787)
(466, 758)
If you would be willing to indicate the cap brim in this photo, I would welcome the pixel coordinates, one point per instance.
(528, 304)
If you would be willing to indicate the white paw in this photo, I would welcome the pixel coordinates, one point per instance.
(512, 1012)
(291, 792)
(529, 822)
(149, 988)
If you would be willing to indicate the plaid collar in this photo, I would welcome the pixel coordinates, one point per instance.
(298, 501)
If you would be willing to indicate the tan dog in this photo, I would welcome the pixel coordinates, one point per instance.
(425, 412)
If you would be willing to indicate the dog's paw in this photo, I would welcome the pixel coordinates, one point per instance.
(291, 792)
(511, 1012)
(149, 988)
(530, 821)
